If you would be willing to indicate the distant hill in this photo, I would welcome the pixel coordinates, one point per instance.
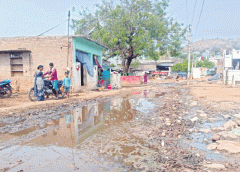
(214, 45)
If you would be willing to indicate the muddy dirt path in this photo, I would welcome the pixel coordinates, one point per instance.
(155, 129)
(19, 102)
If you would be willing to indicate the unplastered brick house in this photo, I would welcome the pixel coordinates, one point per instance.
(20, 56)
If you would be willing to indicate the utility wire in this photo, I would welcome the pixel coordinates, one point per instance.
(194, 11)
(199, 18)
(187, 12)
(52, 28)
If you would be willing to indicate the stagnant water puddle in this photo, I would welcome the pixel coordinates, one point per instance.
(208, 120)
(60, 140)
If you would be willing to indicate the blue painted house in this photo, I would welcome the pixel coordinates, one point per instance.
(86, 60)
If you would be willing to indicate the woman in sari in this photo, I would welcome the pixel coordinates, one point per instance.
(39, 84)
(145, 78)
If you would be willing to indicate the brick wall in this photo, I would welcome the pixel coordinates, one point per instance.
(43, 51)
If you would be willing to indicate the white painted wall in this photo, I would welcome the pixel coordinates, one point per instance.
(196, 72)
(228, 61)
(231, 73)
(115, 80)
(235, 54)
(91, 82)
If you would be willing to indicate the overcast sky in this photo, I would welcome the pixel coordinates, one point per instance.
(219, 19)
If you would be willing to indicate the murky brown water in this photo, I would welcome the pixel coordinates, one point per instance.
(84, 139)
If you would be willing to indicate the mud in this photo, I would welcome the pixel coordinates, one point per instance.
(146, 130)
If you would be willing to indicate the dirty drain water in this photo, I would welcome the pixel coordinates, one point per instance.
(74, 139)
(200, 140)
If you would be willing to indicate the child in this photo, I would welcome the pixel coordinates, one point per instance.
(67, 84)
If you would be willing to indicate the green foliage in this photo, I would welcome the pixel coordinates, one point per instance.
(180, 67)
(132, 28)
(183, 56)
(183, 67)
(113, 65)
(205, 63)
(135, 64)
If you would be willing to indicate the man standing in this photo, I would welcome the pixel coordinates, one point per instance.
(53, 77)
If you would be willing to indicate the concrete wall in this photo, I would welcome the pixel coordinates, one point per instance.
(231, 79)
(92, 81)
(5, 67)
(115, 80)
(196, 73)
(43, 51)
(148, 67)
(131, 80)
(236, 54)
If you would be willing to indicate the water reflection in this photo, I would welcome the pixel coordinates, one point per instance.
(77, 125)
(73, 127)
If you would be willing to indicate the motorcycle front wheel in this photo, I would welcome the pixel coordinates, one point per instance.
(6, 92)
(31, 95)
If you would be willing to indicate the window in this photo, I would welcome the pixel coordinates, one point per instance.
(16, 62)
(16, 55)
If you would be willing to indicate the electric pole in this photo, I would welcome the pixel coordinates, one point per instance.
(68, 38)
(189, 55)
(193, 59)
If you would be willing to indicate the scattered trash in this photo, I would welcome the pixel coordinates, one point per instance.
(194, 119)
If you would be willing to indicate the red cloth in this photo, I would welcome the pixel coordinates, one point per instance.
(100, 81)
(145, 78)
(97, 62)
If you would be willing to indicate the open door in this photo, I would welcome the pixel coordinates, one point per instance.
(82, 75)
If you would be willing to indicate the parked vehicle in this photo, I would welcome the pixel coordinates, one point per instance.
(5, 88)
(48, 90)
(182, 75)
(211, 72)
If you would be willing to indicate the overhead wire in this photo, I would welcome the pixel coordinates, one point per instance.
(194, 11)
(53, 28)
(199, 19)
(187, 12)
(187, 15)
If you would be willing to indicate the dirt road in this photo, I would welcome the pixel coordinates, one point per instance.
(19, 101)
(160, 127)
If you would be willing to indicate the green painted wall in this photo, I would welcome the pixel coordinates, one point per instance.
(87, 46)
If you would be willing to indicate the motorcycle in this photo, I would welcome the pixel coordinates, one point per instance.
(5, 88)
(48, 90)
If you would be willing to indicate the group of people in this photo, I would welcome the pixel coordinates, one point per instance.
(52, 75)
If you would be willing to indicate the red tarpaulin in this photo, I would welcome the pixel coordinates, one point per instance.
(159, 73)
(97, 62)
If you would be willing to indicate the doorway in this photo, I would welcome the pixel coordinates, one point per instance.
(82, 75)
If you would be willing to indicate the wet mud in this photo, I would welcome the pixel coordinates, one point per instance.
(149, 130)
